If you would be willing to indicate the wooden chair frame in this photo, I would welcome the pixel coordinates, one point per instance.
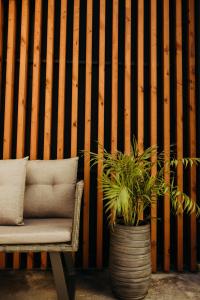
(65, 290)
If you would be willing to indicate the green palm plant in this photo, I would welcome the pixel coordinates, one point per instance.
(130, 189)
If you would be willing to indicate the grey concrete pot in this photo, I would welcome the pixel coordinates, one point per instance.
(130, 261)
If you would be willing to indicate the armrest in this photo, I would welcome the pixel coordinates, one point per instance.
(76, 219)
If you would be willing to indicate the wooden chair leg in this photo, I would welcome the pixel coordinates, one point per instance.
(70, 273)
(59, 276)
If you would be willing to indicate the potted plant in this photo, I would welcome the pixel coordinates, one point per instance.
(129, 190)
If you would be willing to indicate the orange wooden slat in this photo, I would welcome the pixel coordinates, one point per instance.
(9, 89)
(127, 88)
(140, 88)
(192, 126)
(62, 76)
(35, 94)
(179, 128)
(114, 116)
(36, 79)
(75, 66)
(166, 94)
(153, 97)
(88, 83)
(101, 90)
(48, 94)
(21, 118)
(1, 37)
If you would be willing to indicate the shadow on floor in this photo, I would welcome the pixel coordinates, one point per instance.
(94, 285)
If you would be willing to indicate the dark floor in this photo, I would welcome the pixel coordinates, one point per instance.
(24, 285)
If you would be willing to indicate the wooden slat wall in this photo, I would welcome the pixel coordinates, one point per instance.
(109, 120)
(192, 126)
(179, 129)
(88, 93)
(48, 94)
(166, 117)
(153, 45)
(127, 83)
(101, 90)
(2, 256)
(21, 117)
(35, 94)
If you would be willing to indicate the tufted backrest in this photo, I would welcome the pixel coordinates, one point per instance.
(50, 188)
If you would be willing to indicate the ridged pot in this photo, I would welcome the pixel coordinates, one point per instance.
(130, 261)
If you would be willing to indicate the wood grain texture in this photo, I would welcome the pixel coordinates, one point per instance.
(2, 255)
(140, 76)
(21, 117)
(101, 91)
(1, 40)
(61, 82)
(153, 97)
(74, 118)
(36, 79)
(114, 116)
(166, 117)
(10, 73)
(192, 127)
(9, 90)
(127, 83)
(179, 128)
(48, 94)
(35, 95)
(88, 86)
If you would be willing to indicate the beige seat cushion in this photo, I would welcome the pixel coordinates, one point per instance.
(12, 185)
(50, 188)
(37, 231)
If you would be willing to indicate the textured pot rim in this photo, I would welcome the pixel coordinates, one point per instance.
(128, 227)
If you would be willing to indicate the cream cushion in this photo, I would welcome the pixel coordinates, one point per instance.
(37, 231)
(12, 185)
(50, 188)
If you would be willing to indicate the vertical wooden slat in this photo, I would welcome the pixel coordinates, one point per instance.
(2, 255)
(61, 83)
(75, 78)
(166, 95)
(140, 88)
(21, 118)
(9, 89)
(35, 94)
(114, 76)
(48, 94)
(179, 128)
(101, 95)
(1, 38)
(127, 91)
(192, 126)
(153, 97)
(88, 82)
